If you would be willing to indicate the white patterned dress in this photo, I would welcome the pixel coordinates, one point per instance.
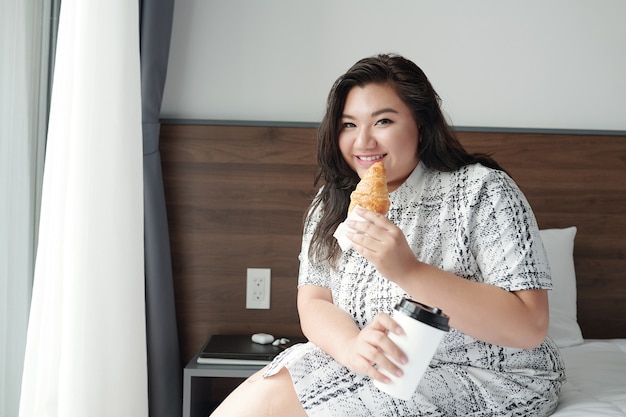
(477, 224)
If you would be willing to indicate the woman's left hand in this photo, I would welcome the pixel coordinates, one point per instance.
(383, 244)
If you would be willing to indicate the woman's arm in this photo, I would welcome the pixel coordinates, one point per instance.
(483, 311)
(335, 332)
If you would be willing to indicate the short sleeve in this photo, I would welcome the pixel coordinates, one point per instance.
(504, 236)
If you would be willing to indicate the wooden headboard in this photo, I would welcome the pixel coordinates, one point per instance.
(236, 195)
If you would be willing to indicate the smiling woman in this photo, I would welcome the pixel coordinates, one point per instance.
(459, 236)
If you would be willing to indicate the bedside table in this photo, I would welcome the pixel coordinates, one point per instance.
(193, 375)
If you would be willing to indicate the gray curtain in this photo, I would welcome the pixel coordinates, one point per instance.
(164, 367)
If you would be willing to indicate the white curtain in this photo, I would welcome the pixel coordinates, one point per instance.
(86, 341)
(24, 53)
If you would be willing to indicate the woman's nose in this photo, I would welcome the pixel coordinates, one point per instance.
(364, 139)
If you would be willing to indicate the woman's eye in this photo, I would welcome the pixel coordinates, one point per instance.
(383, 122)
(347, 125)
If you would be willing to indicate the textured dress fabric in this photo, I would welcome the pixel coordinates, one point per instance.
(477, 224)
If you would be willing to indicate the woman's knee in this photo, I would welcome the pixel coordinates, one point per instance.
(258, 396)
(280, 394)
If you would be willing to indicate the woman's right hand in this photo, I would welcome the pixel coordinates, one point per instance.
(364, 351)
(369, 351)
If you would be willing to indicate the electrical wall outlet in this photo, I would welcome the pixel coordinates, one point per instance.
(258, 284)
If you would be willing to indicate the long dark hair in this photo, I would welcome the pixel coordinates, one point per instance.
(438, 148)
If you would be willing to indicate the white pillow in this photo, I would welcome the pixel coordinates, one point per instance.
(559, 246)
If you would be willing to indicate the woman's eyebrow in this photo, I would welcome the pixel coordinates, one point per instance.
(385, 110)
(374, 114)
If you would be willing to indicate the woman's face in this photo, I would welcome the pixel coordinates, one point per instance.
(378, 126)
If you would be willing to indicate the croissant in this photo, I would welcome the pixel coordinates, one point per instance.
(371, 192)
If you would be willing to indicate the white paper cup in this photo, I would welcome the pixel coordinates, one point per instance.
(424, 327)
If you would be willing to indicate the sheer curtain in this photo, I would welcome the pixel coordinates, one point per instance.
(25, 38)
(86, 341)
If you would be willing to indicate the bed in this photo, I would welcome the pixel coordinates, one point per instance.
(595, 368)
(595, 387)
(235, 195)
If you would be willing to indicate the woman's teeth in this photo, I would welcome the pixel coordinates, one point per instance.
(370, 158)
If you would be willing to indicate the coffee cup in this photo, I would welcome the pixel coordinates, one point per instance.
(424, 327)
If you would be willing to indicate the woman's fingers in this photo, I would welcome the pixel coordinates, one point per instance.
(376, 349)
(372, 224)
(383, 244)
(384, 321)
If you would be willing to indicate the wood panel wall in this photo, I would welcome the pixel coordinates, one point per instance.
(235, 199)
(236, 196)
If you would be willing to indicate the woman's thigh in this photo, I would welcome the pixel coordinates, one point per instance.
(262, 397)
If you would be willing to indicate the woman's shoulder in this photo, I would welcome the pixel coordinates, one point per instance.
(473, 174)
(480, 172)
(472, 182)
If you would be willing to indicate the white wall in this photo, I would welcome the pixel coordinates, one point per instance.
(497, 63)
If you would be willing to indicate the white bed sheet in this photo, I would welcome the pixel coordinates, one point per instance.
(596, 379)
